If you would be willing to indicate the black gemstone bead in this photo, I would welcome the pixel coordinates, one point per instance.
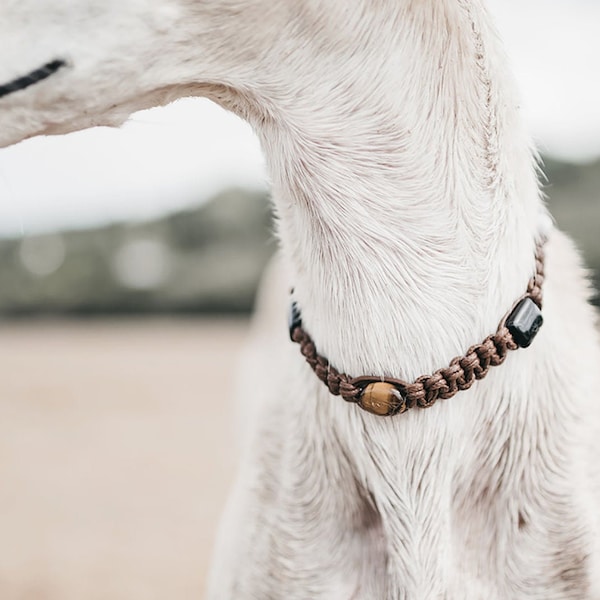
(294, 318)
(524, 322)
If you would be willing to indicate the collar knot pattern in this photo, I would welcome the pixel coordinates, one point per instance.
(388, 396)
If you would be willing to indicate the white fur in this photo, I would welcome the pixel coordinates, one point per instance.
(408, 210)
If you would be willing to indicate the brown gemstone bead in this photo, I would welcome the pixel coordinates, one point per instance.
(380, 398)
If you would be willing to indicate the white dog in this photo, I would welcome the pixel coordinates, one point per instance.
(409, 213)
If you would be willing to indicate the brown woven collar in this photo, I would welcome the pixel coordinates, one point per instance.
(387, 396)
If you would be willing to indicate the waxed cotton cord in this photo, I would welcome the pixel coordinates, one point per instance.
(460, 375)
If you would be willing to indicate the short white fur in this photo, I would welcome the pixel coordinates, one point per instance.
(408, 204)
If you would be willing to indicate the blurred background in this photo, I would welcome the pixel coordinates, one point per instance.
(129, 260)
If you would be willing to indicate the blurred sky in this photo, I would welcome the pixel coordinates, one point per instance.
(166, 158)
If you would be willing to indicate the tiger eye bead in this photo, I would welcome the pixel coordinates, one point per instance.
(380, 398)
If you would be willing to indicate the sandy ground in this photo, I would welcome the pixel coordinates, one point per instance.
(113, 471)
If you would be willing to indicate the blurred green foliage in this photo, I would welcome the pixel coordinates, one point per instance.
(206, 259)
(573, 192)
(210, 258)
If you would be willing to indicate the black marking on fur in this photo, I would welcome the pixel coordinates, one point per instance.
(32, 78)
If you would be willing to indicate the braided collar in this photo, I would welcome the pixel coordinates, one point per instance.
(388, 396)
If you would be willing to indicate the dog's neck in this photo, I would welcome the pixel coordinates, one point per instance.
(406, 190)
(404, 184)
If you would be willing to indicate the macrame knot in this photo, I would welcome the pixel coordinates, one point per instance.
(387, 396)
